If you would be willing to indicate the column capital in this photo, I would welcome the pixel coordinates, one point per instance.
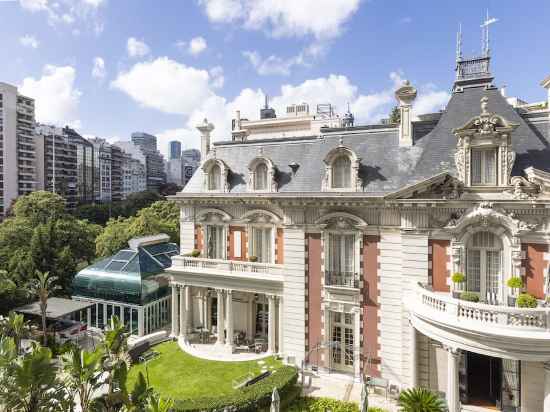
(452, 350)
(229, 291)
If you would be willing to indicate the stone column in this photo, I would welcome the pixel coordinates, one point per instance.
(281, 329)
(220, 339)
(140, 322)
(357, 342)
(229, 310)
(201, 298)
(175, 311)
(413, 356)
(208, 312)
(89, 317)
(182, 315)
(452, 379)
(189, 308)
(271, 325)
(546, 407)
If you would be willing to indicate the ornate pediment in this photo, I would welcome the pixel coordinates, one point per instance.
(261, 217)
(341, 221)
(485, 123)
(213, 216)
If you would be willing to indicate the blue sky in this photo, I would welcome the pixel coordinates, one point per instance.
(111, 67)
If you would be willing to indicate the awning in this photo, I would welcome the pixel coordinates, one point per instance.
(57, 308)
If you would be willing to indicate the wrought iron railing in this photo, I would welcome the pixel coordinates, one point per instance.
(342, 279)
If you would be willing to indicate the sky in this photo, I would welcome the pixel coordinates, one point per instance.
(112, 67)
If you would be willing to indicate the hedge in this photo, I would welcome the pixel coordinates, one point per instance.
(249, 399)
(306, 404)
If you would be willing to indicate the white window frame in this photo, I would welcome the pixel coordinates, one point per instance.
(251, 247)
(346, 180)
(498, 246)
(206, 230)
(257, 180)
(483, 163)
(357, 247)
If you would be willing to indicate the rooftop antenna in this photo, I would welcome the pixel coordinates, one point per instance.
(485, 34)
(459, 43)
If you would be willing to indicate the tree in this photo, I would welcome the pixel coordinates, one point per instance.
(42, 287)
(420, 400)
(15, 327)
(83, 370)
(395, 115)
(39, 207)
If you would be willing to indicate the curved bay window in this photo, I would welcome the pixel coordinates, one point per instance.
(340, 260)
(260, 178)
(341, 172)
(484, 264)
(215, 178)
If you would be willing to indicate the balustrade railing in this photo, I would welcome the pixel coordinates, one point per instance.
(342, 279)
(490, 315)
(205, 264)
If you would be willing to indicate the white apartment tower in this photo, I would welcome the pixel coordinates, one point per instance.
(17, 146)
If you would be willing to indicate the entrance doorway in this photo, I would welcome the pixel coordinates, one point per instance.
(342, 340)
(481, 380)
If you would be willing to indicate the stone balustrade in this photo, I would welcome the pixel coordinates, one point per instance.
(205, 265)
(483, 315)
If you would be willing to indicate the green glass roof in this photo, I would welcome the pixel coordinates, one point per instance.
(128, 276)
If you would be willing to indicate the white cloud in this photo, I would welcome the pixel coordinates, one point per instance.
(137, 48)
(34, 5)
(56, 97)
(29, 41)
(197, 45)
(67, 12)
(166, 85)
(322, 19)
(217, 77)
(95, 3)
(98, 69)
(273, 65)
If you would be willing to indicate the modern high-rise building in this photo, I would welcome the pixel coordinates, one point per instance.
(84, 165)
(17, 146)
(56, 163)
(117, 160)
(191, 159)
(175, 150)
(154, 163)
(134, 176)
(174, 171)
(102, 170)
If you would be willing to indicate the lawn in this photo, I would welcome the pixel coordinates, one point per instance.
(179, 375)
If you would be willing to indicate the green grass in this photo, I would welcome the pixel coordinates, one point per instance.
(178, 375)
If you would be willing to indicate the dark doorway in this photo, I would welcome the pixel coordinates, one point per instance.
(484, 380)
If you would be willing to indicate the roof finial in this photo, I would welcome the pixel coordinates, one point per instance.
(485, 50)
(341, 141)
(266, 105)
(459, 43)
(484, 105)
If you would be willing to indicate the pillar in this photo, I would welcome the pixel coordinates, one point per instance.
(140, 322)
(357, 342)
(220, 339)
(452, 379)
(281, 329)
(229, 310)
(201, 299)
(189, 308)
(546, 407)
(89, 317)
(208, 312)
(175, 312)
(271, 325)
(413, 356)
(182, 315)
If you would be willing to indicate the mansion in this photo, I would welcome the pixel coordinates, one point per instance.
(336, 244)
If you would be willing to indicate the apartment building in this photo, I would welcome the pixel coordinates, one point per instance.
(134, 175)
(147, 144)
(102, 170)
(336, 244)
(17, 146)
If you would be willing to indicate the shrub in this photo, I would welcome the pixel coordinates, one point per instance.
(458, 277)
(525, 300)
(194, 253)
(420, 400)
(253, 258)
(249, 399)
(515, 282)
(469, 296)
(323, 404)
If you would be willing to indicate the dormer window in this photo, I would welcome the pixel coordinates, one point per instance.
(215, 175)
(484, 167)
(262, 175)
(341, 172)
(260, 178)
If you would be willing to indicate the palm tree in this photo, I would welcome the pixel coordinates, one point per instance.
(83, 370)
(420, 400)
(16, 327)
(42, 286)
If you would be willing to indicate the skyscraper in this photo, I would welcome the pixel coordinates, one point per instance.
(175, 149)
(84, 165)
(154, 161)
(17, 154)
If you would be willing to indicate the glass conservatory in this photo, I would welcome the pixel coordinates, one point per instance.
(130, 284)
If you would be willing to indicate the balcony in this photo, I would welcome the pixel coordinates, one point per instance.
(342, 279)
(228, 268)
(518, 333)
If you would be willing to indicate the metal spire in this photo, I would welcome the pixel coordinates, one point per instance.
(459, 43)
(485, 34)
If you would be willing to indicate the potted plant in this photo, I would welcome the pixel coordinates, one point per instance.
(253, 258)
(526, 300)
(469, 296)
(194, 253)
(458, 280)
(515, 283)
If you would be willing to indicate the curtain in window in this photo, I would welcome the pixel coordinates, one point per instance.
(473, 270)
(260, 178)
(476, 167)
(340, 254)
(341, 172)
(261, 244)
(493, 270)
(484, 167)
(214, 178)
(490, 167)
(215, 242)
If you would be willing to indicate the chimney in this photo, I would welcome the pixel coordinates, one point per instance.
(205, 128)
(503, 91)
(238, 122)
(405, 95)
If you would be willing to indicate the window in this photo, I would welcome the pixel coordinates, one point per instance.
(260, 178)
(341, 172)
(261, 244)
(215, 178)
(340, 260)
(215, 242)
(484, 167)
(484, 263)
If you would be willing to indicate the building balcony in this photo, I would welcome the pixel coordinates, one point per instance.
(256, 271)
(516, 333)
(348, 280)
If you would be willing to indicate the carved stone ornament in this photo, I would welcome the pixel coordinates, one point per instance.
(341, 221)
(522, 189)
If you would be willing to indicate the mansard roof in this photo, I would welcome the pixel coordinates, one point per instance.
(384, 167)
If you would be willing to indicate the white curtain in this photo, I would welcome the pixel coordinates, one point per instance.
(260, 178)
(215, 242)
(341, 172)
(214, 178)
(340, 254)
(484, 166)
(261, 244)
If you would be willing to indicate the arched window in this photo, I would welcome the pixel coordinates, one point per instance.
(341, 172)
(260, 178)
(484, 264)
(215, 178)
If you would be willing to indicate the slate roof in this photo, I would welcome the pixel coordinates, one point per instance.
(385, 167)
